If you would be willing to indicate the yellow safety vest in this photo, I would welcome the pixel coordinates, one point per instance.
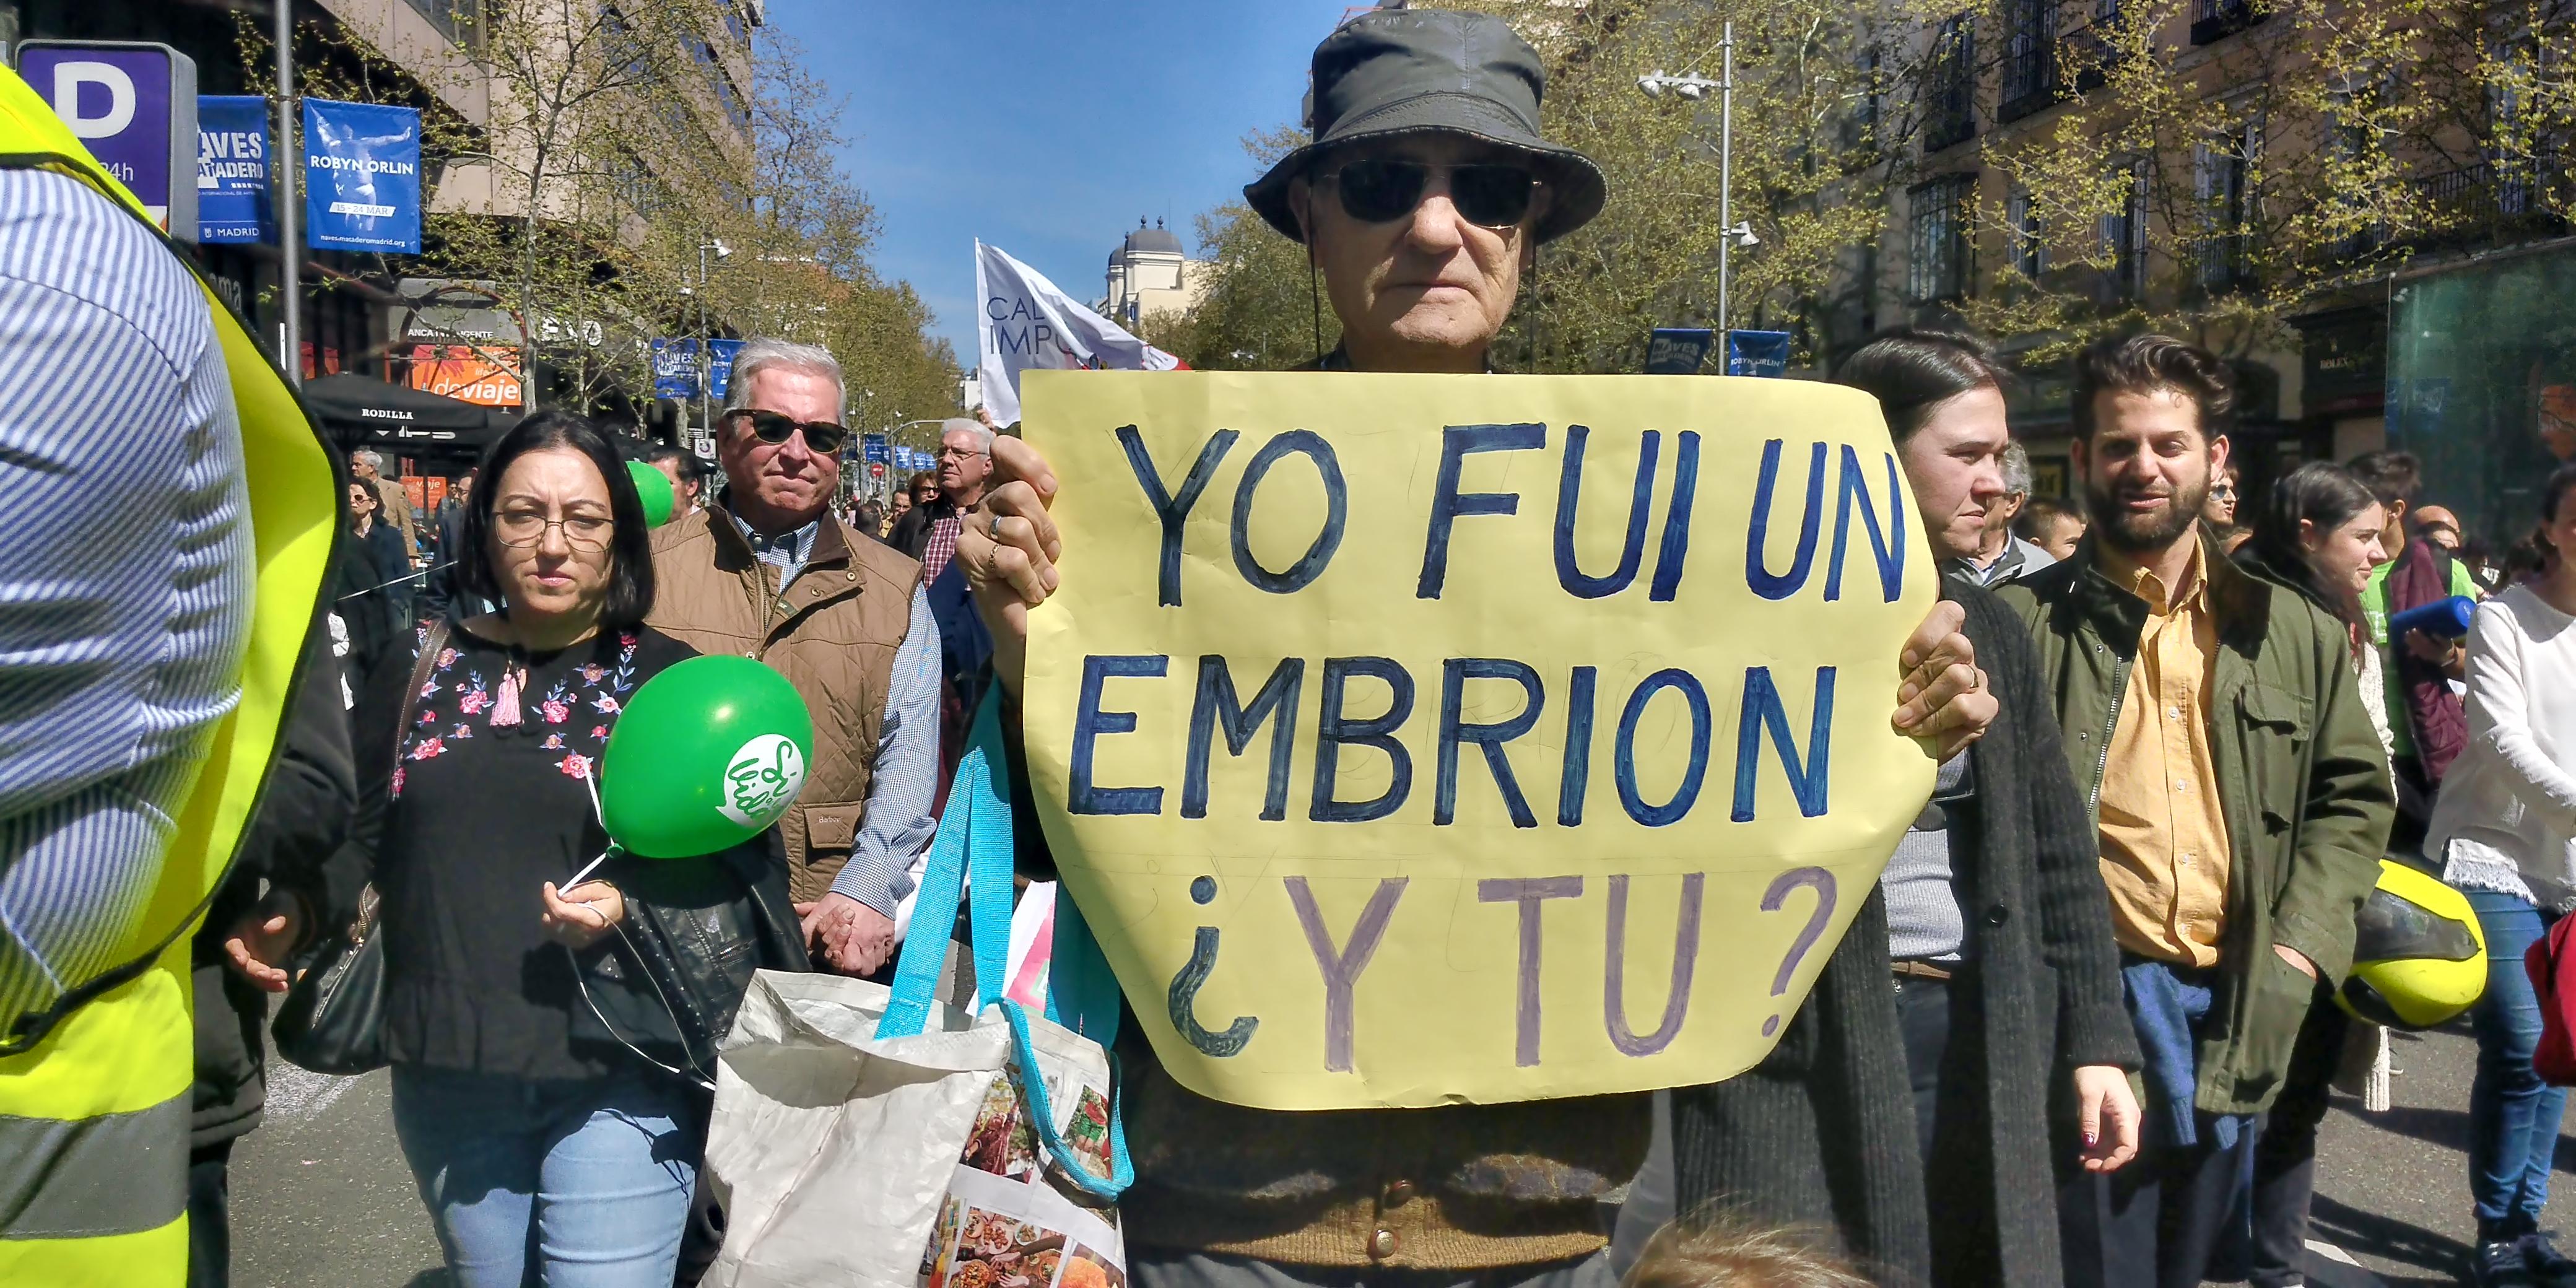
(94, 1093)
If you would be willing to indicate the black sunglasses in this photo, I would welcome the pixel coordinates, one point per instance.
(821, 435)
(1380, 192)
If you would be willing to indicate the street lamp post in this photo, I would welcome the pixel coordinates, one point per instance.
(290, 264)
(706, 349)
(1695, 87)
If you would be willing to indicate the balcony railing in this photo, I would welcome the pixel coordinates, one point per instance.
(2030, 75)
(2214, 20)
(2489, 202)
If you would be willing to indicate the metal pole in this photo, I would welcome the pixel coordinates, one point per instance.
(284, 163)
(1725, 191)
(706, 359)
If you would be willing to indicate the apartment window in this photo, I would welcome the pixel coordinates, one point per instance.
(2030, 58)
(2213, 20)
(1936, 264)
(1871, 103)
(2124, 235)
(1950, 100)
(2222, 180)
(453, 18)
(2022, 226)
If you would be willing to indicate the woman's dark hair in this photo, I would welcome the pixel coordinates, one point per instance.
(1911, 371)
(919, 479)
(2324, 494)
(2553, 494)
(2143, 364)
(630, 542)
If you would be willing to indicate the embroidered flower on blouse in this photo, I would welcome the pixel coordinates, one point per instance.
(463, 732)
(446, 658)
(599, 731)
(605, 705)
(591, 671)
(428, 747)
(398, 782)
(474, 700)
(574, 767)
(553, 742)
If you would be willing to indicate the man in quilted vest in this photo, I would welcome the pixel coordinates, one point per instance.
(766, 571)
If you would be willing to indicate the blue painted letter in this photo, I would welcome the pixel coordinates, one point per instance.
(1624, 749)
(1889, 546)
(1489, 738)
(1173, 510)
(1332, 730)
(1337, 507)
(1569, 491)
(1217, 706)
(1762, 711)
(1447, 502)
(1089, 722)
(1756, 574)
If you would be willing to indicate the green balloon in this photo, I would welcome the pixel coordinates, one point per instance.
(653, 488)
(705, 756)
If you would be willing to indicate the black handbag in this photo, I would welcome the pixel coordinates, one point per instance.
(333, 1018)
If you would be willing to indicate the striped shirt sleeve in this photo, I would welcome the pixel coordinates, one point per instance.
(899, 821)
(126, 575)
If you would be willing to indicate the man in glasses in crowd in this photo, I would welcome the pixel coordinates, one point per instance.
(928, 531)
(766, 571)
(1421, 202)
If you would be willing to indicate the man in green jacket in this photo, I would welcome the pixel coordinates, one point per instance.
(2240, 798)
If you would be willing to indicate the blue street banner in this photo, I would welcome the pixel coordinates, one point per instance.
(233, 205)
(675, 368)
(1758, 353)
(1677, 351)
(720, 367)
(361, 177)
(133, 104)
(873, 447)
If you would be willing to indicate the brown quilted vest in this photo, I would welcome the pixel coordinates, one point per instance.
(832, 632)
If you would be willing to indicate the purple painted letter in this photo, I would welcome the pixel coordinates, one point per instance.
(1528, 892)
(1614, 987)
(1342, 966)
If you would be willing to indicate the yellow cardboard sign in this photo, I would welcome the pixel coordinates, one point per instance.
(1417, 740)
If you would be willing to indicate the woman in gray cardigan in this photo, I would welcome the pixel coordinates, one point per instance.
(1967, 1041)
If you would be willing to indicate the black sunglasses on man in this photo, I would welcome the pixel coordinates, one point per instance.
(1379, 192)
(773, 427)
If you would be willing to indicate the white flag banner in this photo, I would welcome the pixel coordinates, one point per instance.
(1023, 321)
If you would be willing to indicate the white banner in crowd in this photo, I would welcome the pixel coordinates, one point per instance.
(1024, 321)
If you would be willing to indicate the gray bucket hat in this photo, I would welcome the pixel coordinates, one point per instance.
(1418, 71)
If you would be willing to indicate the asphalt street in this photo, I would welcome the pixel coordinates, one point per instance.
(321, 1198)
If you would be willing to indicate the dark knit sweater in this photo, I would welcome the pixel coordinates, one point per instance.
(1822, 1132)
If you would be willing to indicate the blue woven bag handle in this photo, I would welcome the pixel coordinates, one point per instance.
(974, 838)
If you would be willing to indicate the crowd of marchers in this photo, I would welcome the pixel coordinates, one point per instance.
(2083, 1030)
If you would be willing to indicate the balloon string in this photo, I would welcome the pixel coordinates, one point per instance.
(587, 775)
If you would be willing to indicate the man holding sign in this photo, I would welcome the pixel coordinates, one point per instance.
(1459, 1012)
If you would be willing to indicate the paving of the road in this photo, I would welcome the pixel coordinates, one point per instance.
(321, 1198)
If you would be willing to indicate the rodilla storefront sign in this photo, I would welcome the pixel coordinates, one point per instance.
(361, 177)
(134, 106)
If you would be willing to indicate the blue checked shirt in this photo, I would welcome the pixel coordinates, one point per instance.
(126, 573)
(898, 821)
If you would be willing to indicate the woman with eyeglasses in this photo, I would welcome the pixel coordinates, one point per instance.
(550, 1131)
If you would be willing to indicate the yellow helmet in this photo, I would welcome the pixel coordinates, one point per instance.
(2418, 956)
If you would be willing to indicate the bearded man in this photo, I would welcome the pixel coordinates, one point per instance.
(2241, 800)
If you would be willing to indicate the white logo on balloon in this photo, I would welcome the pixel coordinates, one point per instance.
(762, 780)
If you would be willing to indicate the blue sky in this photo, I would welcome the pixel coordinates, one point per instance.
(1047, 128)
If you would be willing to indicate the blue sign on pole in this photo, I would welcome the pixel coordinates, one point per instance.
(134, 106)
(1677, 351)
(361, 176)
(873, 447)
(675, 368)
(1757, 353)
(720, 367)
(232, 170)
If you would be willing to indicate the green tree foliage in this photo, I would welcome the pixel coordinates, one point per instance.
(1260, 311)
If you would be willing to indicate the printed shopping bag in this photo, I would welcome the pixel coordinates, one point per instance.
(871, 1136)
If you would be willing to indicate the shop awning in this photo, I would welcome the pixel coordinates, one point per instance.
(360, 412)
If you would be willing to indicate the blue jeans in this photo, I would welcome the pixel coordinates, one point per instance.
(552, 1184)
(2513, 1115)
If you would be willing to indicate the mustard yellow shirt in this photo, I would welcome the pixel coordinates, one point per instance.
(2164, 837)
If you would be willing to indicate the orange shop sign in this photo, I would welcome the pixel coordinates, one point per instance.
(489, 377)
